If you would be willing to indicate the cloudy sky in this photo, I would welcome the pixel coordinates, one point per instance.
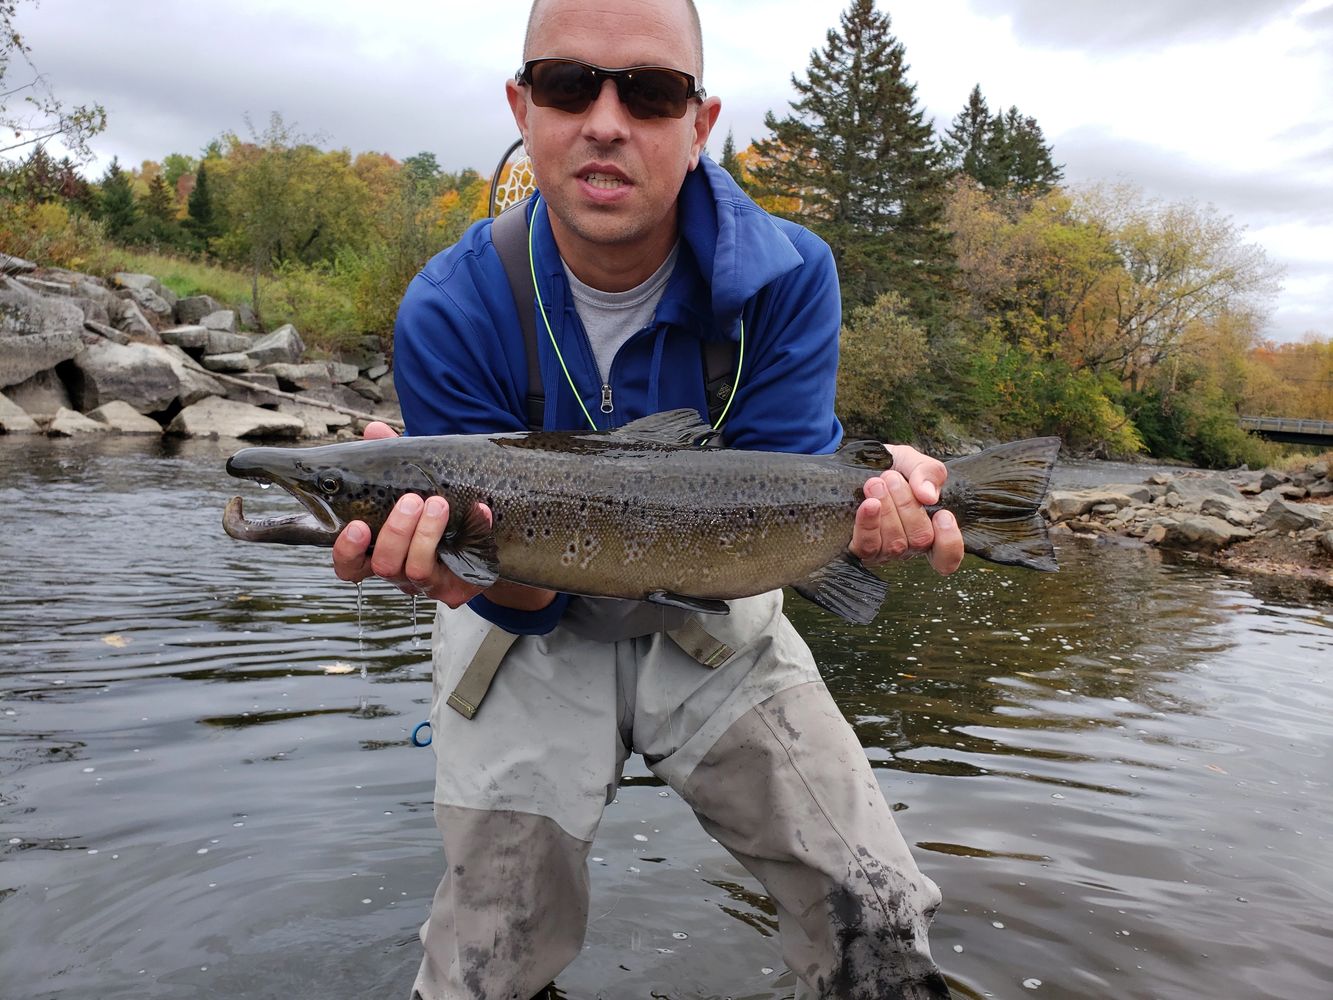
(1223, 102)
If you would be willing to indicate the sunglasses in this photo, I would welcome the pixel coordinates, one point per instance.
(571, 86)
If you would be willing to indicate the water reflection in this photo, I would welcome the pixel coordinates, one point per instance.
(1117, 774)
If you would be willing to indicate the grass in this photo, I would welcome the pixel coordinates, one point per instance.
(182, 275)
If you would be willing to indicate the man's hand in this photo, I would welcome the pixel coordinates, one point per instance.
(892, 522)
(405, 552)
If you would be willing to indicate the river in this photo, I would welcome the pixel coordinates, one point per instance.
(1119, 775)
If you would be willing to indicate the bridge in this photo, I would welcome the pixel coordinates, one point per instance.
(1290, 430)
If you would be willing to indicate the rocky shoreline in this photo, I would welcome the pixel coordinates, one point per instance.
(80, 355)
(1267, 522)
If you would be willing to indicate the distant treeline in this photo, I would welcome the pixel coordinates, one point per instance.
(983, 298)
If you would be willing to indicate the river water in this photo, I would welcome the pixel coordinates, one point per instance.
(1119, 775)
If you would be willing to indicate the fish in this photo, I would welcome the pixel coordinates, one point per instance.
(651, 511)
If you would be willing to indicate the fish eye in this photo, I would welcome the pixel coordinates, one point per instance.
(330, 482)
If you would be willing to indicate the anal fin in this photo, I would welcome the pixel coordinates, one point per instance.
(846, 588)
(468, 548)
(702, 605)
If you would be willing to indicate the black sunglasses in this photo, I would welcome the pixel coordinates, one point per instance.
(571, 86)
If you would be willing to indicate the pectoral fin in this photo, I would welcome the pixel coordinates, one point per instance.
(702, 605)
(468, 548)
(846, 588)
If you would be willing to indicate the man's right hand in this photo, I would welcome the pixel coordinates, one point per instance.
(406, 552)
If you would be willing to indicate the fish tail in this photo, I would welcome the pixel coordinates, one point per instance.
(996, 496)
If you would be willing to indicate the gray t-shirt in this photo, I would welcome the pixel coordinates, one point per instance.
(611, 318)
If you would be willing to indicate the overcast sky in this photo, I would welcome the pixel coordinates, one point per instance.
(1224, 102)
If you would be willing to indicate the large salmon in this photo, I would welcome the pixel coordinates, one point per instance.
(647, 511)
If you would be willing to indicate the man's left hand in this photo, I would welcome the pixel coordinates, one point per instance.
(892, 522)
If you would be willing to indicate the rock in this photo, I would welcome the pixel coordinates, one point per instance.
(224, 342)
(1323, 488)
(377, 372)
(1271, 479)
(150, 302)
(13, 418)
(319, 422)
(1319, 470)
(295, 377)
(15, 265)
(1239, 514)
(256, 396)
(130, 318)
(36, 332)
(215, 417)
(191, 310)
(342, 374)
(282, 346)
(42, 287)
(1325, 542)
(1062, 505)
(1202, 534)
(365, 387)
(135, 373)
(192, 338)
(234, 362)
(195, 383)
(1198, 487)
(42, 396)
(246, 314)
(339, 395)
(109, 332)
(124, 419)
(93, 310)
(137, 282)
(223, 320)
(67, 423)
(1283, 516)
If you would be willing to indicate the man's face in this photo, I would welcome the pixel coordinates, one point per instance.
(610, 179)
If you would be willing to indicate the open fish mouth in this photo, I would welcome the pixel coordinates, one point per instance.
(317, 525)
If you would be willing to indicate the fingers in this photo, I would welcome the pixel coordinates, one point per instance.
(349, 553)
(946, 553)
(377, 430)
(422, 563)
(892, 523)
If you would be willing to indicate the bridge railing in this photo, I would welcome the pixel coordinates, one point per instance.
(1287, 425)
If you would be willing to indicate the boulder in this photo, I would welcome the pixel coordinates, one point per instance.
(365, 387)
(1232, 511)
(255, 396)
(44, 287)
(1063, 505)
(109, 332)
(193, 308)
(1202, 534)
(314, 375)
(42, 396)
(1323, 488)
(150, 302)
(14, 419)
(124, 419)
(223, 320)
(36, 332)
(15, 265)
(1325, 541)
(1283, 516)
(137, 282)
(319, 422)
(234, 362)
(1198, 487)
(224, 342)
(135, 373)
(68, 423)
(215, 417)
(131, 319)
(282, 346)
(93, 310)
(1271, 479)
(192, 338)
(195, 383)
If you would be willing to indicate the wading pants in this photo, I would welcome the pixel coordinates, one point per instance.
(755, 746)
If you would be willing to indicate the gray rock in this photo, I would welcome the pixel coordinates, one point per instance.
(130, 318)
(245, 313)
(44, 287)
(124, 419)
(255, 396)
(1202, 534)
(137, 282)
(1283, 516)
(339, 395)
(365, 387)
(135, 373)
(377, 372)
(25, 313)
(1198, 487)
(1271, 479)
(23, 357)
(195, 383)
(234, 362)
(225, 342)
(14, 419)
(1323, 488)
(15, 265)
(313, 375)
(1234, 512)
(150, 302)
(109, 332)
(282, 346)
(1064, 505)
(193, 308)
(1325, 541)
(68, 423)
(42, 396)
(1319, 470)
(215, 417)
(319, 422)
(192, 338)
(341, 373)
(223, 320)
(93, 310)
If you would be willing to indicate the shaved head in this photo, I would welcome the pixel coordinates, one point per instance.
(534, 16)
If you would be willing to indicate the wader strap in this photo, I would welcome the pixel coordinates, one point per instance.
(509, 233)
(479, 673)
(699, 645)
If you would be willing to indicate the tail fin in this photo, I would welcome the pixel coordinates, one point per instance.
(997, 494)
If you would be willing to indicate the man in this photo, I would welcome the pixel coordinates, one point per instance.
(642, 251)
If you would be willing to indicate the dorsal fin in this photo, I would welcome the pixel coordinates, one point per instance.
(674, 427)
(864, 455)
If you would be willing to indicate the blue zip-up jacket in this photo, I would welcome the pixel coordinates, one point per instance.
(460, 365)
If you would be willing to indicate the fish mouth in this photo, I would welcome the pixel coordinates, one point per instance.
(317, 525)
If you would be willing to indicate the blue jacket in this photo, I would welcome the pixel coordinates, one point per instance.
(460, 365)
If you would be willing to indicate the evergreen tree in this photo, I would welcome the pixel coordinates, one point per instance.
(1001, 151)
(731, 163)
(116, 202)
(857, 162)
(159, 204)
(1031, 166)
(199, 219)
(965, 141)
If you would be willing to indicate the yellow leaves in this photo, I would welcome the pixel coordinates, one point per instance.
(116, 640)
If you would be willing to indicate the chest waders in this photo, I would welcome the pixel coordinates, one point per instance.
(509, 233)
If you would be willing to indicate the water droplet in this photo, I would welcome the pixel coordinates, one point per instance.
(365, 901)
(641, 838)
(1031, 984)
(679, 935)
(958, 948)
(265, 486)
(997, 924)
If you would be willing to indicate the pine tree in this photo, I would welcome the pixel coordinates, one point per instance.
(199, 219)
(1003, 151)
(857, 162)
(731, 163)
(116, 202)
(965, 141)
(159, 205)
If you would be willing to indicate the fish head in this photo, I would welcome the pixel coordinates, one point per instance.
(333, 491)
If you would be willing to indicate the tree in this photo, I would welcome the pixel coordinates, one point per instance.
(860, 161)
(116, 202)
(199, 219)
(1002, 151)
(731, 163)
(964, 143)
(43, 117)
